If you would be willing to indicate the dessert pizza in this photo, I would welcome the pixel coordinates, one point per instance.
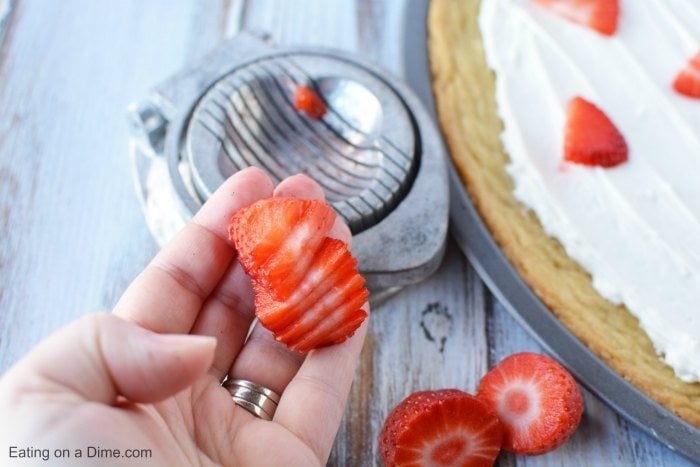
(575, 127)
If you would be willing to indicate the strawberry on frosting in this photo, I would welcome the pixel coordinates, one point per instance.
(591, 138)
(688, 80)
(600, 15)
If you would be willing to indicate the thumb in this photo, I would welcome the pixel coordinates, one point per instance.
(102, 356)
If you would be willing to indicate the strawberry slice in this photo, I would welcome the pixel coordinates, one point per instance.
(600, 15)
(590, 138)
(277, 238)
(536, 399)
(307, 101)
(332, 262)
(445, 427)
(326, 307)
(307, 288)
(688, 80)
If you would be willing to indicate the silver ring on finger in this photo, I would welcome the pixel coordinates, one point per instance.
(258, 400)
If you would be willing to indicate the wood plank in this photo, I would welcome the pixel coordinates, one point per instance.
(5, 13)
(72, 234)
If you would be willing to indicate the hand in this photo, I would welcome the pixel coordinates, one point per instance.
(148, 375)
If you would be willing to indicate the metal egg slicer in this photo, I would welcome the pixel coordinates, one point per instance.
(375, 152)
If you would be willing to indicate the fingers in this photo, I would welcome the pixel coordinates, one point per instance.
(299, 186)
(168, 295)
(314, 401)
(263, 360)
(102, 356)
(229, 312)
(227, 315)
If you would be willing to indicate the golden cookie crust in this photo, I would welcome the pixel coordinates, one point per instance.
(464, 91)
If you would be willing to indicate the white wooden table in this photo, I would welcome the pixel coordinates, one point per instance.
(72, 235)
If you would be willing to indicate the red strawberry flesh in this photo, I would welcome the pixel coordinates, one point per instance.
(600, 15)
(277, 238)
(591, 138)
(688, 80)
(308, 291)
(346, 308)
(537, 401)
(333, 263)
(307, 101)
(337, 306)
(445, 427)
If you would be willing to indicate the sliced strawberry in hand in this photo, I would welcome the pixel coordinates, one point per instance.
(590, 138)
(308, 291)
(446, 427)
(277, 238)
(688, 80)
(600, 15)
(326, 307)
(332, 263)
(536, 399)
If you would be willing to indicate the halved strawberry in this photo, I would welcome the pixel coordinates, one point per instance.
(307, 101)
(590, 138)
(277, 238)
(600, 15)
(536, 399)
(307, 288)
(446, 427)
(688, 80)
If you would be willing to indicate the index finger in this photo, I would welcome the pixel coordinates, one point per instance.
(168, 295)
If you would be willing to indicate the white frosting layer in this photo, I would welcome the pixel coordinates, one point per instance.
(636, 227)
